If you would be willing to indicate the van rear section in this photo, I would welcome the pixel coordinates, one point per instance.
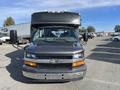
(55, 52)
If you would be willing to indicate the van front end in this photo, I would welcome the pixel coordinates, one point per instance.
(55, 52)
(54, 69)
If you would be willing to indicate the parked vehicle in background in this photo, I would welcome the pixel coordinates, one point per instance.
(99, 34)
(94, 34)
(23, 32)
(91, 35)
(0, 42)
(116, 38)
(22, 41)
(4, 37)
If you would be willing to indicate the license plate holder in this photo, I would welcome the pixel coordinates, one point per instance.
(53, 76)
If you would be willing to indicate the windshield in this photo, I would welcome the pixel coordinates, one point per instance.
(55, 34)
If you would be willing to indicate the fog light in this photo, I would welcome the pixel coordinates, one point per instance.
(30, 63)
(79, 74)
(78, 63)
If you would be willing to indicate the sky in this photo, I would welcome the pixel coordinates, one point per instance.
(102, 14)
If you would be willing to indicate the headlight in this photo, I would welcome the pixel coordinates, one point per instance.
(78, 55)
(28, 55)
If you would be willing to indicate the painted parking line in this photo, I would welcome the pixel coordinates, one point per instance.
(112, 53)
(109, 47)
(103, 81)
(110, 59)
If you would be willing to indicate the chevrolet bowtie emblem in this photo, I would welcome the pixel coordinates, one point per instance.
(53, 61)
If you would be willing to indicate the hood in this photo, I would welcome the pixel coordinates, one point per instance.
(54, 48)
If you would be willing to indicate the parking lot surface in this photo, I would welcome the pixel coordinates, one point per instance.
(103, 68)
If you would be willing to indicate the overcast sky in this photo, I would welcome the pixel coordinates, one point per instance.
(103, 14)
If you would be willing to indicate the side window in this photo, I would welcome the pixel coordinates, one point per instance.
(38, 34)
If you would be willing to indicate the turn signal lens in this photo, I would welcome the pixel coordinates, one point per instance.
(78, 63)
(29, 63)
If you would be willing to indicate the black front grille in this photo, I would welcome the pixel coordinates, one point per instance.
(53, 57)
(55, 66)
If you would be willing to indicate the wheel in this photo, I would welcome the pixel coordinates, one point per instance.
(116, 39)
(13, 36)
(1, 42)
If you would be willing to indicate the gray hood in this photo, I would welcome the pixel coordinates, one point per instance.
(54, 48)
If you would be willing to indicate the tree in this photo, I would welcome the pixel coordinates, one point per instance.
(90, 29)
(82, 29)
(117, 28)
(9, 21)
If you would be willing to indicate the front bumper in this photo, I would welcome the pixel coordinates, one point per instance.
(48, 75)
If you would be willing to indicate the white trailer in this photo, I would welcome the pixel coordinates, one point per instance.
(23, 30)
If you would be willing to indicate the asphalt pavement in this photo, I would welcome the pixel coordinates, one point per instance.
(103, 68)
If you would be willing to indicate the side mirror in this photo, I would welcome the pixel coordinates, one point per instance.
(13, 36)
(85, 37)
(80, 37)
(25, 47)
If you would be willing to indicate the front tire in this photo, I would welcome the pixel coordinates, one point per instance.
(116, 39)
